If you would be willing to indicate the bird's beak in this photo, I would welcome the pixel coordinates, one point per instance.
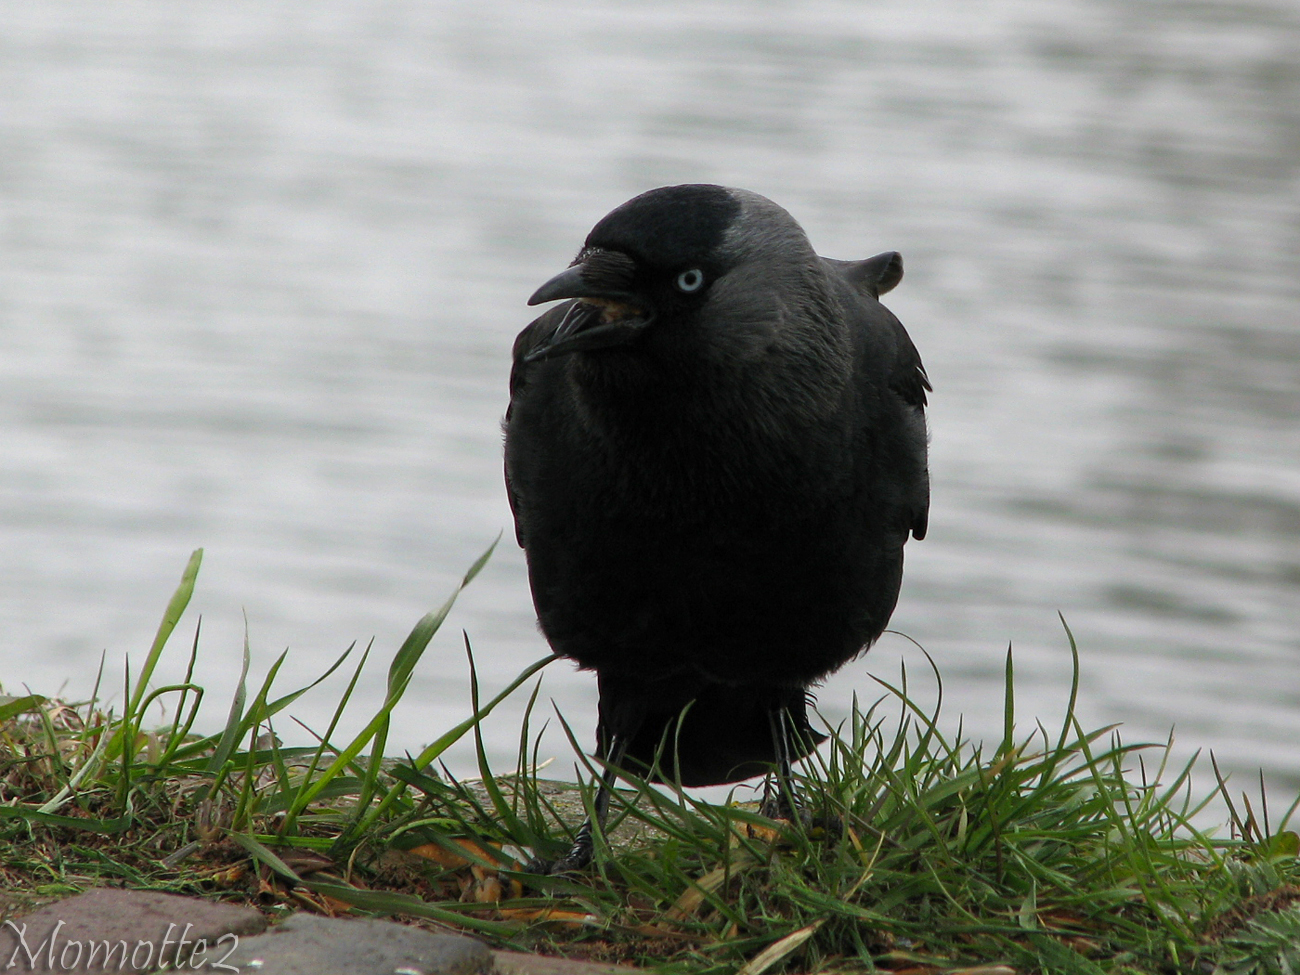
(569, 283)
(601, 317)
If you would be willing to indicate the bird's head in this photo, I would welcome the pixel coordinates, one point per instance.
(697, 260)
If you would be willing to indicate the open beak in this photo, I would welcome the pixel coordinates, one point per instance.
(600, 317)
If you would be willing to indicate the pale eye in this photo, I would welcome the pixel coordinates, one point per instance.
(692, 280)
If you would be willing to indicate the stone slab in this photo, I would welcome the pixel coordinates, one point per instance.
(517, 963)
(109, 929)
(306, 944)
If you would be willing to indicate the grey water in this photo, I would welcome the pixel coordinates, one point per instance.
(261, 266)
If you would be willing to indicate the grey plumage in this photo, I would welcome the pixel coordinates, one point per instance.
(715, 452)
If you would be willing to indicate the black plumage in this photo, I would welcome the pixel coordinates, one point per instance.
(715, 452)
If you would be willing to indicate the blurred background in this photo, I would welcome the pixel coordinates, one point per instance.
(261, 266)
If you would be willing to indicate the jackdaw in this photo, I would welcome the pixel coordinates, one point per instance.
(715, 450)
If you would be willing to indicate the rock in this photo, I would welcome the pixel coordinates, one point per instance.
(309, 945)
(109, 929)
(514, 963)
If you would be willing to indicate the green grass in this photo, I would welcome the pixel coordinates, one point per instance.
(1061, 849)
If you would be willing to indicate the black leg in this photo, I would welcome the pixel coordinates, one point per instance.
(779, 802)
(584, 846)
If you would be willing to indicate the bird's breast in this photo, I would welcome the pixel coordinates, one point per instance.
(691, 443)
(721, 529)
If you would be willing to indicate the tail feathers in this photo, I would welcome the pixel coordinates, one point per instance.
(716, 735)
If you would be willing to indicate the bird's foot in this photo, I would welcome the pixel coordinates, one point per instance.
(777, 805)
(782, 803)
(578, 857)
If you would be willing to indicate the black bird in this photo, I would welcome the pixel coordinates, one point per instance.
(715, 450)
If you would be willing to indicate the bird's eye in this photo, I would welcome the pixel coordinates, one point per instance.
(689, 281)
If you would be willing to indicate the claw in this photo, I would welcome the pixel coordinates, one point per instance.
(584, 846)
(578, 857)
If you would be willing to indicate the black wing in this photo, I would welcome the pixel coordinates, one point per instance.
(538, 331)
(891, 348)
(909, 381)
